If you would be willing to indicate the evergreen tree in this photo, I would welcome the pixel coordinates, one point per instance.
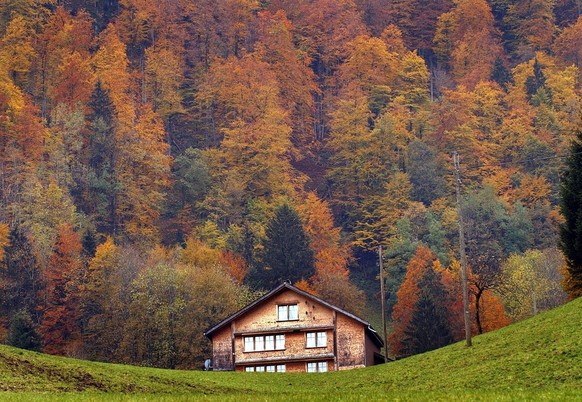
(398, 254)
(287, 253)
(428, 328)
(519, 233)
(571, 229)
(101, 187)
(425, 172)
(535, 85)
(23, 333)
(89, 243)
(501, 74)
(103, 12)
(20, 280)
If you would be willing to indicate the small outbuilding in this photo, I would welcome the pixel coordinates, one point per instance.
(290, 330)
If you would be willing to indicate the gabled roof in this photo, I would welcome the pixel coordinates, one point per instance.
(286, 286)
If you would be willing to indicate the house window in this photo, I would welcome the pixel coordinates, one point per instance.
(264, 343)
(270, 342)
(316, 339)
(317, 367)
(280, 342)
(279, 368)
(259, 343)
(287, 312)
(249, 344)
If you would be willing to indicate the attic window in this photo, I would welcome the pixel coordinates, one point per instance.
(287, 312)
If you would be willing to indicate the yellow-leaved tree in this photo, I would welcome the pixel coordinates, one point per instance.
(4, 238)
(252, 132)
(101, 311)
(143, 168)
(532, 283)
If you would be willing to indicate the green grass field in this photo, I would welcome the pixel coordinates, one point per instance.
(536, 359)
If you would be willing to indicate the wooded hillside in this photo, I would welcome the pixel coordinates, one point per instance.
(162, 163)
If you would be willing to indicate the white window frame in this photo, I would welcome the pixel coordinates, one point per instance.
(316, 339)
(280, 342)
(263, 343)
(317, 367)
(249, 344)
(322, 339)
(287, 312)
(271, 368)
(259, 343)
(310, 340)
(269, 342)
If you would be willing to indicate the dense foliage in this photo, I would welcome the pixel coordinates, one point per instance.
(571, 230)
(149, 149)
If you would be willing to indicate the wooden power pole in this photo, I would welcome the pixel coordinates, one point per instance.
(383, 301)
(462, 252)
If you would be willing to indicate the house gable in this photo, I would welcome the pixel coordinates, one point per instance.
(289, 328)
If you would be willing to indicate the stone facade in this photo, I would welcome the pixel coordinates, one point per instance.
(291, 330)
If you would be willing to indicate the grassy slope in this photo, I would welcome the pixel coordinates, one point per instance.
(540, 358)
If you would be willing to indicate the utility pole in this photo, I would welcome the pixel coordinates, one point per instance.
(383, 302)
(462, 252)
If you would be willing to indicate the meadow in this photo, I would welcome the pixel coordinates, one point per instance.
(536, 359)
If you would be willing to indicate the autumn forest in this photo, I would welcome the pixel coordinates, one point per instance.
(164, 163)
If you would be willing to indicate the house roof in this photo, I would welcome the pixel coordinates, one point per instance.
(287, 286)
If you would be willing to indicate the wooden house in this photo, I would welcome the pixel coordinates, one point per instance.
(290, 330)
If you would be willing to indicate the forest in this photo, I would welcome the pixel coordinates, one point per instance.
(164, 163)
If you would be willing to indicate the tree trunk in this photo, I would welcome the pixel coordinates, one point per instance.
(477, 308)
(534, 302)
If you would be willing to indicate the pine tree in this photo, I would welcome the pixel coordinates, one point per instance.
(425, 172)
(537, 82)
(428, 328)
(501, 74)
(101, 189)
(571, 229)
(89, 243)
(288, 255)
(23, 333)
(20, 280)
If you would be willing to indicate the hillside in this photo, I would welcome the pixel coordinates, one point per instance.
(162, 153)
(540, 358)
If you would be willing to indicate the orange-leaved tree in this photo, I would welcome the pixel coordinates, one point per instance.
(331, 280)
(59, 327)
(421, 307)
(460, 35)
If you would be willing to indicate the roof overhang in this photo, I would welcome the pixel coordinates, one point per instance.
(287, 286)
